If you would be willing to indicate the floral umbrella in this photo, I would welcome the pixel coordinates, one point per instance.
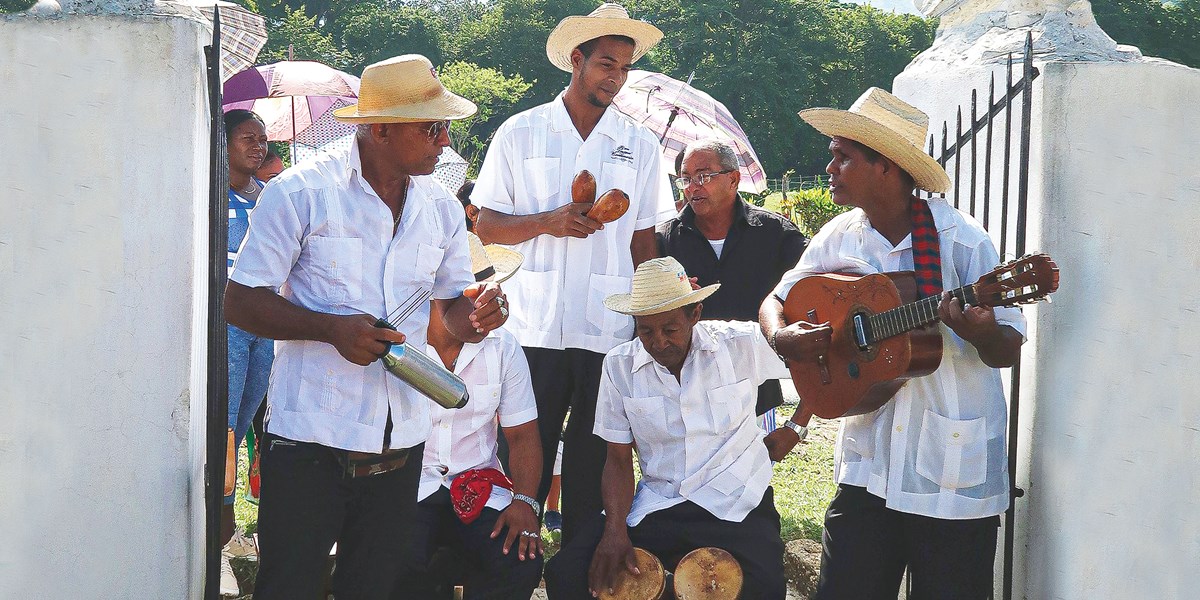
(680, 114)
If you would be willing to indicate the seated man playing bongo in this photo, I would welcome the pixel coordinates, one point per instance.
(683, 392)
(465, 502)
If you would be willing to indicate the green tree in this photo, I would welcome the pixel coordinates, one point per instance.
(374, 31)
(300, 33)
(494, 93)
(1169, 30)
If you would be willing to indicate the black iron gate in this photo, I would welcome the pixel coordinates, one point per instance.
(980, 206)
(218, 367)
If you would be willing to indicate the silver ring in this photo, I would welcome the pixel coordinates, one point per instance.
(503, 312)
(529, 534)
(500, 301)
(821, 357)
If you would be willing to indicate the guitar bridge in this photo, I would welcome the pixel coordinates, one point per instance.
(862, 333)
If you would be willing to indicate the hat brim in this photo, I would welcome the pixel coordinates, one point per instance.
(573, 31)
(623, 303)
(505, 262)
(446, 107)
(927, 174)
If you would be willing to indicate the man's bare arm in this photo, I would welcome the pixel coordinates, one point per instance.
(568, 220)
(616, 490)
(644, 246)
(472, 315)
(525, 458)
(264, 313)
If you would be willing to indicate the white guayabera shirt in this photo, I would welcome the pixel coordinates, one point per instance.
(697, 438)
(558, 295)
(497, 378)
(323, 239)
(938, 447)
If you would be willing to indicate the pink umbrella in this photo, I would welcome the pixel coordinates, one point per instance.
(289, 95)
(680, 114)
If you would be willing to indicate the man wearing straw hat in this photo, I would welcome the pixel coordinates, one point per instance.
(571, 261)
(334, 244)
(683, 392)
(921, 480)
(465, 501)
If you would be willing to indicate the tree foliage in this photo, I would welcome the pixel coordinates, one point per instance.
(764, 59)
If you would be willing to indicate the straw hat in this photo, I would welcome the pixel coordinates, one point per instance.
(404, 89)
(492, 262)
(607, 19)
(659, 285)
(889, 126)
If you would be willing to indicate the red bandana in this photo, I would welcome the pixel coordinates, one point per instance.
(926, 252)
(470, 490)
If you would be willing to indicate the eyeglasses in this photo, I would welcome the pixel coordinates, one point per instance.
(701, 179)
(436, 129)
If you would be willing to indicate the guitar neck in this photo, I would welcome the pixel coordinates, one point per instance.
(908, 317)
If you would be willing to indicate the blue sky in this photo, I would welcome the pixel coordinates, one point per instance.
(900, 6)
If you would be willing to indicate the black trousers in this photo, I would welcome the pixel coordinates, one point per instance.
(443, 548)
(866, 547)
(306, 506)
(569, 379)
(670, 534)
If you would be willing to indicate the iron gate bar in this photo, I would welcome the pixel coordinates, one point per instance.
(987, 154)
(974, 148)
(218, 367)
(958, 158)
(1007, 160)
(1014, 90)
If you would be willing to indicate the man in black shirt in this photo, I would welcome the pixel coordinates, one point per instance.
(720, 238)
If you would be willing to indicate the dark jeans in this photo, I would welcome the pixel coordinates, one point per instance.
(866, 547)
(565, 379)
(670, 534)
(306, 506)
(465, 552)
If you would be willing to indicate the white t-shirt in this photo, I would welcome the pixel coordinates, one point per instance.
(717, 246)
(323, 239)
(938, 447)
(557, 297)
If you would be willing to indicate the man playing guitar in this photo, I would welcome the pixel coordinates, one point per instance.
(922, 479)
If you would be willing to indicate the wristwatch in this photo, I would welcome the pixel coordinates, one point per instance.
(801, 430)
(537, 508)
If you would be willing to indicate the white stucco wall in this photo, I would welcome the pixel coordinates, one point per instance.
(1110, 421)
(103, 237)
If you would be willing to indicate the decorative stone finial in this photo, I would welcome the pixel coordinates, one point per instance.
(975, 32)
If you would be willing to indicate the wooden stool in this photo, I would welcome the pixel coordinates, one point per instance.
(649, 585)
(708, 574)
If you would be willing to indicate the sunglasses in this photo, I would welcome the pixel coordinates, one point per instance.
(700, 179)
(437, 128)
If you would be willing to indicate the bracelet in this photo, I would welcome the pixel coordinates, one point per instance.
(537, 508)
(801, 430)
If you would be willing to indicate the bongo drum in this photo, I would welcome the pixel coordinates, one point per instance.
(649, 585)
(708, 574)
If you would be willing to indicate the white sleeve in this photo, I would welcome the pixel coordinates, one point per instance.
(517, 403)
(612, 423)
(494, 187)
(273, 241)
(764, 363)
(984, 258)
(655, 201)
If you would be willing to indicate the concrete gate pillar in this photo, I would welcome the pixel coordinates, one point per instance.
(1109, 427)
(103, 259)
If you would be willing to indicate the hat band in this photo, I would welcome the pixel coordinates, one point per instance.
(484, 274)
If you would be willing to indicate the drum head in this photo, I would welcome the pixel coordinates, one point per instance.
(708, 574)
(647, 586)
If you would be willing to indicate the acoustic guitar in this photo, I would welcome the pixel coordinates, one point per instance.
(883, 336)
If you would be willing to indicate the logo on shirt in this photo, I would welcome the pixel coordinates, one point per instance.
(622, 153)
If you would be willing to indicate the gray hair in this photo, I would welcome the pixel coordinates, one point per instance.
(363, 131)
(726, 156)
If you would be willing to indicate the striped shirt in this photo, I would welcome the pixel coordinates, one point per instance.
(239, 220)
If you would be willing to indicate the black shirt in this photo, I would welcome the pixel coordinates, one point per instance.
(759, 248)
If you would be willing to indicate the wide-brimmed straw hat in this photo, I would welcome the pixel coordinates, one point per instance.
(659, 285)
(889, 126)
(404, 89)
(492, 262)
(607, 19)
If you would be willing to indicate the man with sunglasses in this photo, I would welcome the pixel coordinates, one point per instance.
(720, 238)
(334, 244)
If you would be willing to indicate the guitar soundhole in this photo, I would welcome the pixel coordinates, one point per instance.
(852, 370)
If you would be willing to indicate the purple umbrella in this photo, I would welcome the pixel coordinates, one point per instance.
(289, 95)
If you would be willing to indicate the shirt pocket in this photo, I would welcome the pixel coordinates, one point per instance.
(333, 390)
(336, 267)
(533, 296)
(483, 403)
(429, 259)
(617, 176)
(952, 453)
(729, 403)
(647, 419)
(609, 322)
(542, 182)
